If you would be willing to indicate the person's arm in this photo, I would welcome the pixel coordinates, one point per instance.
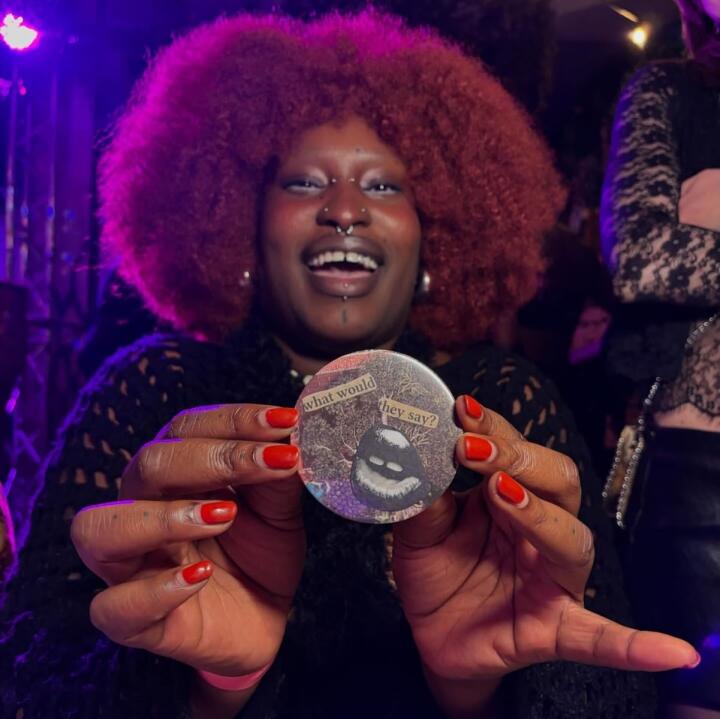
(53, 662)
(656, 257)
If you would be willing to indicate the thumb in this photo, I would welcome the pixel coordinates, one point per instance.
(428, 528)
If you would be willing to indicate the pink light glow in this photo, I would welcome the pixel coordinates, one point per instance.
(16, 35)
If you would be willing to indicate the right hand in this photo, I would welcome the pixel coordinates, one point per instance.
(700, 200)
(230, 617)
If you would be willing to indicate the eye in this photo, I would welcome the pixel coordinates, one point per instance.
(303, 185)
(379, 187)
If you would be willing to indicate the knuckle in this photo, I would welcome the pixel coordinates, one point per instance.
(540, 516)
(79, 532)
(182, 424)
(569, 472)
(229, 458)
(147, 462)
(587, 547)
(521, 457)
(100, 614)
(240, 418)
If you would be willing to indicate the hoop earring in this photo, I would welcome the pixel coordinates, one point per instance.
(422, 288)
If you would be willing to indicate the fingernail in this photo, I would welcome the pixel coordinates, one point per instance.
(281, 417)
(478, 449)
(696, 663)
(196, 573)
(473, 407)
(510, 490)
(217, 512)
(280, 456)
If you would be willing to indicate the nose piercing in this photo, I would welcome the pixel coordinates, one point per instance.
(343, 231)
(326, 209)
(363, 210)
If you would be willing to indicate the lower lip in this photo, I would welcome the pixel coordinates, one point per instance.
(336, 283)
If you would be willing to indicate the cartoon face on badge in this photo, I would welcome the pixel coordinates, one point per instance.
(387, 472)
(376, 436)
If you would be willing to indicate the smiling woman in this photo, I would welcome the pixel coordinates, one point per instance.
(277, 190)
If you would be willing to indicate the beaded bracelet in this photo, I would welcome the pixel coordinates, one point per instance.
(234, 684)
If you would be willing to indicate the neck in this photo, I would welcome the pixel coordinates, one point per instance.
(307, 363)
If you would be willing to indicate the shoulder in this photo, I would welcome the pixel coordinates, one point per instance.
(144, 383)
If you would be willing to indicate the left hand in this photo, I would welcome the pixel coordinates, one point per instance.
(490, 585)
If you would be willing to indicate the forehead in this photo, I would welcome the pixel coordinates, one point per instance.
(352, 137)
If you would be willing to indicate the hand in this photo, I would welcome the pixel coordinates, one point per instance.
(700, 200)
(494, 580)
(196, 571)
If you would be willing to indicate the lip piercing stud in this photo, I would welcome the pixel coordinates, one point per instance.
(363, 210)
(326, 209)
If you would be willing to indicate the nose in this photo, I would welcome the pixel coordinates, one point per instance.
(344, 206)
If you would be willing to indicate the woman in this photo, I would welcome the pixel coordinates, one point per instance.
(661, 224)
(255, 151)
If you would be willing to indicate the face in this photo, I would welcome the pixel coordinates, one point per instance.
(328, 289)
(712, 9)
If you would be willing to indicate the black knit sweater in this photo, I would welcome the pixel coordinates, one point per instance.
(348, 651)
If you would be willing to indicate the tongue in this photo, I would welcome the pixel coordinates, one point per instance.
(341, 269)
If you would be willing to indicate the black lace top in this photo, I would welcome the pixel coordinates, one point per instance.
(667, 129)
(348, 651)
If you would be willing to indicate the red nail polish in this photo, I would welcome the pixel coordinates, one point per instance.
(473, 407)
(510, 490)
(280, 456)
(478, 449)
(282, 417)
(198, 572)
(218, 512)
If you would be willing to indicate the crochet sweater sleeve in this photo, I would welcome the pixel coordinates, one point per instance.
(53, 663)
(656, 257)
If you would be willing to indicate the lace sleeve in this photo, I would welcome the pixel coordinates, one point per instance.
(655, 257)
(53, 663)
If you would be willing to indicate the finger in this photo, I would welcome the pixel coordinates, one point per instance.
(478, 419)
(429, 528)
(549, 474)
(565, 544)
(132, 613)
(112, 539)
(259, 422)
(187, 466)
(591, 639)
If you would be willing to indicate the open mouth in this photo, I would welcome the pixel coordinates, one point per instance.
(343, 267)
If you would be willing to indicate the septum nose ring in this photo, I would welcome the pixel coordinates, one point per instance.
(344, 231)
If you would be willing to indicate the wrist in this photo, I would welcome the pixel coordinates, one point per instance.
(465, 698)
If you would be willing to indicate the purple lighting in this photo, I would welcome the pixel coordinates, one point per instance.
(16, 35)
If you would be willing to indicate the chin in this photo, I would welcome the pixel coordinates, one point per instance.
(333, 336)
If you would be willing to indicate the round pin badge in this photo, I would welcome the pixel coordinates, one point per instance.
(377, 435)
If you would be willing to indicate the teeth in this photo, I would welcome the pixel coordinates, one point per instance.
(353, 258)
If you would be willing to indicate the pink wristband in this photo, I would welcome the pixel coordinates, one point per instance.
(234, 684)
